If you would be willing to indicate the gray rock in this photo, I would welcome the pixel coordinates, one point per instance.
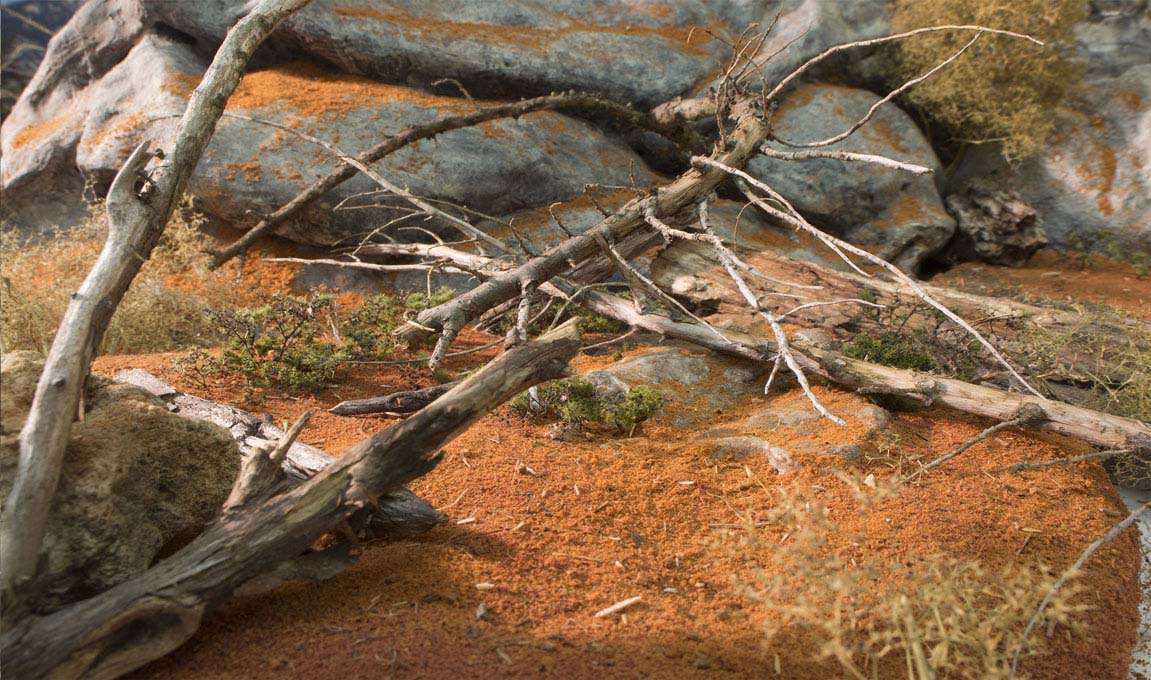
(1115, 37)
(632, 51)
(1091, 185)
(738, 448)
(138, 482)
(696, 387)
(863, 203)
(250, 169)
(994, 226)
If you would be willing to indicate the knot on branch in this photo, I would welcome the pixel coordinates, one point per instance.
(1030, 415)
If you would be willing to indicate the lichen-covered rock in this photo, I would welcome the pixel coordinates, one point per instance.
(250, 169)
(994, 226)
(633, 51)
(138, 482)
(864, 203)
(1115, 36)
(1091, 185)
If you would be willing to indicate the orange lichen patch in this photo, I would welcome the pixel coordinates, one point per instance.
(1133, 100)
(310, 91)
(908, 209)
(180, 84)
(250, 169)
(40, 131)
(605, 520)
(118, 132)
(533, 38)
(1096, 279)
(1099, 175)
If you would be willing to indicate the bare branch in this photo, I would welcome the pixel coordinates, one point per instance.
(844, 156)
(135, 224)
(802, 223)
(1029, 414)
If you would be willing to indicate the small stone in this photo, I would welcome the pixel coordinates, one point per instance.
(482, 612)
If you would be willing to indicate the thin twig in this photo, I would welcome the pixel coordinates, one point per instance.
(1029, 414)
(1098, 455)
(1072, 571)
(848, 156)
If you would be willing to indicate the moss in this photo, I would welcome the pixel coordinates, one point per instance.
(574, 403)
(890, 349)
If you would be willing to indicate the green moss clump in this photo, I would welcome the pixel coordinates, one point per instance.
(890, 349)
(573, 402)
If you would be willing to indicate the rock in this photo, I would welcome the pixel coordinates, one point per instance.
(251, 169)
(737, 448)
(862, 203)
(632, 51)
(40, 134)
(1115, 37)
(138, 482)
(994, 226)
(696, 386)
(807, 28)
(1091, 185)
(22, 43)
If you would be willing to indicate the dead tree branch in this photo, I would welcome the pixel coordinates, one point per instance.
(1029, 415)
(147, 617)
(135, 223)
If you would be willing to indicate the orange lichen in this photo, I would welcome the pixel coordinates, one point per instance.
(250, 169)
(534, 38)
(42, 130)
(1133, 100)
(118, 132)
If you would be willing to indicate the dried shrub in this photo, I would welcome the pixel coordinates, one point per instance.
(930, 617)
(1003, 89)
(39, 277)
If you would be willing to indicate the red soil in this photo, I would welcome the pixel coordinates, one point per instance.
(606, 520)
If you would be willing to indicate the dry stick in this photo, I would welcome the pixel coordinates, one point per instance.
(794, 75)
(848, 156)
(783, 349)
(1029, 414)
(262, 471)
(895, 271)
(890, 95)
(368, 265)
(463, 225)
(430, 129)
(134, 227)
(1098, 455)
(1100, 429)
(1073, 570)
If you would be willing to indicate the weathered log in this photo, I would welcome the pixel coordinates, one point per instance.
(691, 271)
(397, 402)
(135, 223)
(149, 616)
(399, 512)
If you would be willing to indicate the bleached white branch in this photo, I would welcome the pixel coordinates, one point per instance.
(843, 156)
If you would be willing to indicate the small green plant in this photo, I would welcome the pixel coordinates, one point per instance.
(574, 402)
(369, 332)
(276, 345)
(916, 340)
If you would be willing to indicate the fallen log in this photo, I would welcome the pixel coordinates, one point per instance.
(398, 512)
(397, 402)
(144, 618)
(692, 272)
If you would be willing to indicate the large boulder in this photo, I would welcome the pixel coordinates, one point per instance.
(634, 51)
(138, 482)
(1091, 185)
(867, 204)
(251, 169)
(1115, 36)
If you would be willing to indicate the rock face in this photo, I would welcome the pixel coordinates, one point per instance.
(864, 203)
(251, 169)
(632, 51)
(1092, 185)
(1115, 37)
(138, 482)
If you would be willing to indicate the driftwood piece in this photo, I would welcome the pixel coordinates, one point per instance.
(135, 223)
(398, 513)
(397, 402)
(691, 271)
(144, 618)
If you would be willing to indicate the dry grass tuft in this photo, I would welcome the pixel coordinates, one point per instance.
(931, 617)
(1003, 89)
(37, 278)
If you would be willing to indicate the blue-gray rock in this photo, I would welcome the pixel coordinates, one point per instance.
(863, 203)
